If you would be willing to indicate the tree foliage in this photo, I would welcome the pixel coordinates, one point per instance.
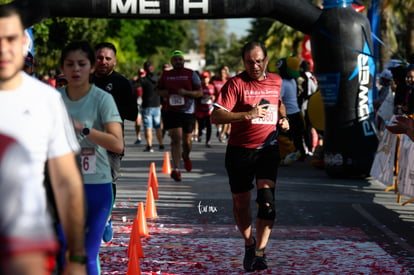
(279, 39)
(136, 40)
(216, 44)
(52, 34)
(396, 30)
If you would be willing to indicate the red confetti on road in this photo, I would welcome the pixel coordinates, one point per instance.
(218, 249)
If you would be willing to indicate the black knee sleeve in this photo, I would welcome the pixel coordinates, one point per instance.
(266, 203)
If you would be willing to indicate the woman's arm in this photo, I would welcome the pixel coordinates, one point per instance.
(111, 139)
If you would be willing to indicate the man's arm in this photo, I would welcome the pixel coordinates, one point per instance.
(191, 93)
(129, 110)
(67, 187)
(162, 92)
(222, 116)
(283, 120)
(282, 109)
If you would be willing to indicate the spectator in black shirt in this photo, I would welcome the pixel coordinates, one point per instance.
(106, 78)
(151, 107)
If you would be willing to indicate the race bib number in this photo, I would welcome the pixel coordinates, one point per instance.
(206, 100)
(269, 118)
(88, 161)
(176, 100)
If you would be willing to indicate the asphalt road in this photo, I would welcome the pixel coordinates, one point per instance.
(324, 225)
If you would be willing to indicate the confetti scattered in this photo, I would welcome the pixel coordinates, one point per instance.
(218, 249)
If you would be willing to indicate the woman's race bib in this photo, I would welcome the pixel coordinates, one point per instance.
(88, 161)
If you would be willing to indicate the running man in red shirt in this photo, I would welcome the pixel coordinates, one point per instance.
(251, 102)
(204, 108)
(218, 82)
(179, 86)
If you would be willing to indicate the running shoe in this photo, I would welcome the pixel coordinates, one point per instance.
(176, 175)
(249, 254)
(138, 141)
(108, 232)
(148, 149)
(161, 147)
(188, 165)
(259, 263)
(290, 158)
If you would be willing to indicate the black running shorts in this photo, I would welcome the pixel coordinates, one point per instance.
(243, 165)
(173, 120)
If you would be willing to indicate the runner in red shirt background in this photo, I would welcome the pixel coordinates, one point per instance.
(204, 108)
(179, 86)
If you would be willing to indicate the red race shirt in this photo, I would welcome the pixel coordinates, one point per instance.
(204, 105)
(179, 79)
(218, 84)
(239, 94)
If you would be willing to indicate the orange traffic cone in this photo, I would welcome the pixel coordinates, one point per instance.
(133, 264)
(154, 186)
(166, 167)
(135, 242)
(153, 172)
(153, 180)
(150, 209)
(142, 222)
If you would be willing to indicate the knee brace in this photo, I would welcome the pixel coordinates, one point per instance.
(266, 203)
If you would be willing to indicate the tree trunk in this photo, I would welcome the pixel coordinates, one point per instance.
(384, 52)
(409, 47)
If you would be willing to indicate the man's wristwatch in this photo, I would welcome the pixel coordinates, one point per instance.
(81, 259)
(86, 131)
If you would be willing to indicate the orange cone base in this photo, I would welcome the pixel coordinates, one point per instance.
(150, 209)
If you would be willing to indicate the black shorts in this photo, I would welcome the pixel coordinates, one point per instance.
(243, 165)
(173, 120)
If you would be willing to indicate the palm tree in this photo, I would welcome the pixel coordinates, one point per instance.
(279, 39)
(396, 30)
(410, 31)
